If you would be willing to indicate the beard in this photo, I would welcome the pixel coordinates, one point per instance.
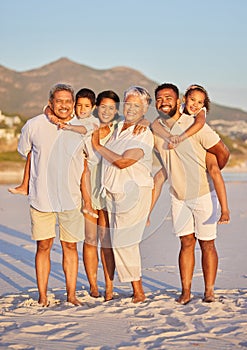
(168, 115)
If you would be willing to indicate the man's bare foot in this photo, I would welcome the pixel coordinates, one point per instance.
(183, 299)
(74, 301)
(138, 298)
(18, 190)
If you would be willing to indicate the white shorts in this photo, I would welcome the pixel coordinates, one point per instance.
(197, 216)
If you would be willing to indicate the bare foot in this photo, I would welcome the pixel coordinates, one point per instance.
(209, 298)
(91, 213)
(108, 295)
(183, 299)
(138, 298)
(18, 190)
(74, 301)
(43, 302)
(94, 293)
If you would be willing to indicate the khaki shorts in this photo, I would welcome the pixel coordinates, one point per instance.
(69, 222)
(197, 216)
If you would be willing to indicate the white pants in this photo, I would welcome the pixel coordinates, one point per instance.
(127, 224)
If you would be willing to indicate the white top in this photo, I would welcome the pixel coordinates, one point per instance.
(89, 122)
(114, 178)
(186, 164)
(57, 163)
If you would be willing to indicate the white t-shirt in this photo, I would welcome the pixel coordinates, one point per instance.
(57, 163)
(186, 164)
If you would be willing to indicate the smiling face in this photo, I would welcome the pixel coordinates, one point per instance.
(194, 101)
(166, 102)
(107, 110)
(134, 108)
(83, 107)
(62, 105)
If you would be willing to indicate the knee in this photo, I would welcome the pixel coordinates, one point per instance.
(69, 246)
(44, 246)
(207, 245)
(188, 242)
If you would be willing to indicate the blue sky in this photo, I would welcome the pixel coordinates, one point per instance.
(177, 41)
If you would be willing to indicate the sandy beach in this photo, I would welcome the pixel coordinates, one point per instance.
(158, 323)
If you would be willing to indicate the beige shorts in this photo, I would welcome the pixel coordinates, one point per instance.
(197, 216)
(70, 224)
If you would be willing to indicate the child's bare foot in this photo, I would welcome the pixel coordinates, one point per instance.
(91, 213)
(18, 190)
(224, 218)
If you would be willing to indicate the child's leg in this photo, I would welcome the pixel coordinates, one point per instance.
(90, 254)
(23, 187)
(86, 192)
(215, 173)
(106, 252)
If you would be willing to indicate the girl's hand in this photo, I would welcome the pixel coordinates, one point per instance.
(174, 141)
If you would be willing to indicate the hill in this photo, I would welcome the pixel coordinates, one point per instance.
(24, 93)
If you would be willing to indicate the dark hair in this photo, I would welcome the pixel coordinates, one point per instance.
(86, 93)
(196, 87)
(108, 94)
(61, 87)
(167, 86)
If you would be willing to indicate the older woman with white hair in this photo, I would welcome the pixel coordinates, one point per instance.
(127, 184)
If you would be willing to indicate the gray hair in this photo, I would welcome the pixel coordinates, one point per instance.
(138, 91)
(61, 87)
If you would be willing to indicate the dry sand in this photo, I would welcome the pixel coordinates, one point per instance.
(158, 323)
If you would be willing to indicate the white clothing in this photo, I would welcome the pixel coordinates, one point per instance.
(89, 122)
(57, 163)
(114, 178)
(198, 215)
(128, 198)
(127, 227)
(186, 164)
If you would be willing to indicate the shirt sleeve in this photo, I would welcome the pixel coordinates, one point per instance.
(25, 144)
(208, 137)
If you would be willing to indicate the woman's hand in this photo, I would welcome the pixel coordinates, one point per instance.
(96, 139)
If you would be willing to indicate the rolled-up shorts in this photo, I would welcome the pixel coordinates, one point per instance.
(70, 224)
(198, 215)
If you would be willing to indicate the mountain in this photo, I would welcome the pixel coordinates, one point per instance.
(25, 93)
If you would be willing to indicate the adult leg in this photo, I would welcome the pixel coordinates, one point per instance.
(107, 256)
(70, 267)
(209, 268)
(138, 292)
(43, 267)
(90, 254)
(186, 266)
